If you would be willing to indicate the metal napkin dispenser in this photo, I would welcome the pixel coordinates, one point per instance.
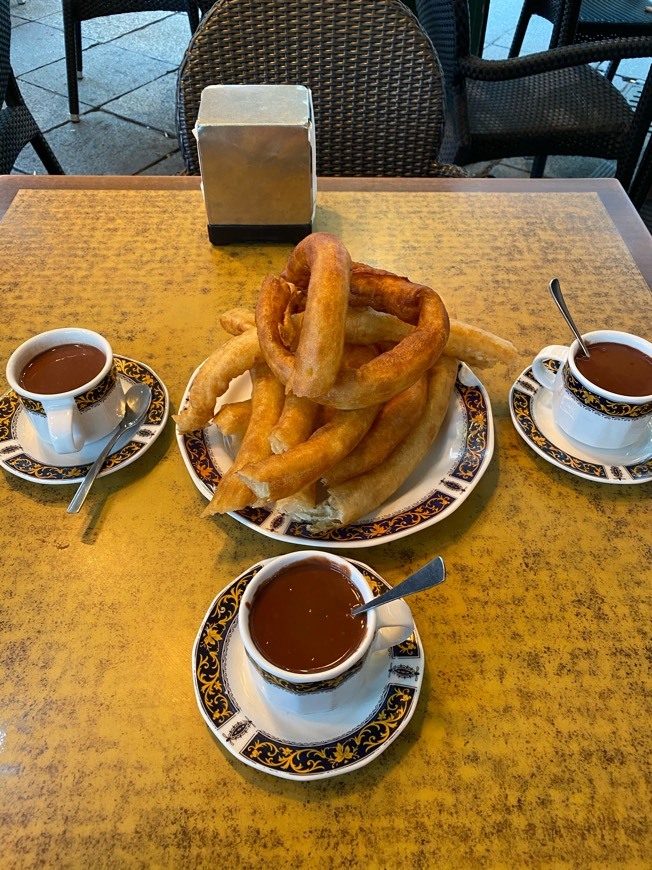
(256, 148)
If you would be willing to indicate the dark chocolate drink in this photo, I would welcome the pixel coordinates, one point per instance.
(300, 619)
(618, 368)
(62, 368)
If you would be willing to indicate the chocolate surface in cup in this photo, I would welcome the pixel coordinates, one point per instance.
(300, 619)
(62, 368)
(618, 368)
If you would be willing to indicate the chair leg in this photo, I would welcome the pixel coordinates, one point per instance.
(46, 155)
(71, 59)
(193, 15)
(519, 33)
(538, 166)
(642, 182)
(78, 50)
(611, 70)
(13, 97)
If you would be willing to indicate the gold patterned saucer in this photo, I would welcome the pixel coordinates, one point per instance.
(286, 744)
(444, 479)
(22, 454)
(531, 409)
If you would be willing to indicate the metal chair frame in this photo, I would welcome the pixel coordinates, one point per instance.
(76, 11)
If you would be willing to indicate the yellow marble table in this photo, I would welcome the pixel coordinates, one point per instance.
(530, 745)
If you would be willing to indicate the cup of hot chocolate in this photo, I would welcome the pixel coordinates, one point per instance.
(603, 400)
(67, 384)
(308, 654)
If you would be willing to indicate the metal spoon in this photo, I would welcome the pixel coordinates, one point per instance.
(558, 296)
(430, 575)
(138, 399)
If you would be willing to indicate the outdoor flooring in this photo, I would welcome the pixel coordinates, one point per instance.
(127, 94)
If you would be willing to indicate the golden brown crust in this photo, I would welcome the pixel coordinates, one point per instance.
(267, 400)
(398, 368)
(279, 476)
(233, 418)
(296, 424)
(362, 494)
(237, 320)
(230, 360)
(395, 419)
(274, 299)
(321, 265)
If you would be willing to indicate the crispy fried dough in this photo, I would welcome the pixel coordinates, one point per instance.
(233, 418)
(237, 320)
(360, 495)
(267, 399)
(281, 475)
(229, 361)
(321, 265)
(470, 344)
(395, 419)
(296, 424)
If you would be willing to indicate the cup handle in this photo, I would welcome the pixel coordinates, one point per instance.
(542, 373)
(64, 433)
(394, 624)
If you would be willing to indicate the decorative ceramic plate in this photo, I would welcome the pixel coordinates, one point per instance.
(287, 744)
(530, 405)
(24, 455)
(437, 487)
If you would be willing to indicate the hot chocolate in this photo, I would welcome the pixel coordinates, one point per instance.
(618, 368)
(62, 368)
(300, 619)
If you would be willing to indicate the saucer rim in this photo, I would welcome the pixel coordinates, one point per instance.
(528, 379)
(155, 430)
(352, 726)
(457, 491)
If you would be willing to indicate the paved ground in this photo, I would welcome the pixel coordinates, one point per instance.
(127, 95)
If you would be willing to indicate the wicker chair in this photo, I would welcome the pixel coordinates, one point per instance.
(545, 103)
(17, 125)
(76, 11)
(376, 82)
(585, 21)
(639, 190)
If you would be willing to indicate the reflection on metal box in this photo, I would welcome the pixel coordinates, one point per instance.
(256, 148)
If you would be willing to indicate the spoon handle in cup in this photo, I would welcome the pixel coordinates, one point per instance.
(426, 577)
(558, 296)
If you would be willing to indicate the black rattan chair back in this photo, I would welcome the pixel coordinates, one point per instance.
(550, 102)
(17, 125)
(375, 79)
(76, 11)
(585, 21)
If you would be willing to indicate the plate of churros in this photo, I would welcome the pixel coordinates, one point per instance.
(344, 411)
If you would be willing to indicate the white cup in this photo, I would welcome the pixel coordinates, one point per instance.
(319, 692)
(589, 414)
(68, 420)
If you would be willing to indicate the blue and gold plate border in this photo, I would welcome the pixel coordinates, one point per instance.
(475, 450)
(522, 397)
(19, 462)
(350, 750)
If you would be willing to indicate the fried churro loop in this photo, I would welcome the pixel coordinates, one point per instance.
(399, 367)
(381, 378)
(321, 266)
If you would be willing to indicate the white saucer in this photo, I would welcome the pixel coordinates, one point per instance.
(444, 479)
(23, 454)
(531, 410)
(286, 744)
